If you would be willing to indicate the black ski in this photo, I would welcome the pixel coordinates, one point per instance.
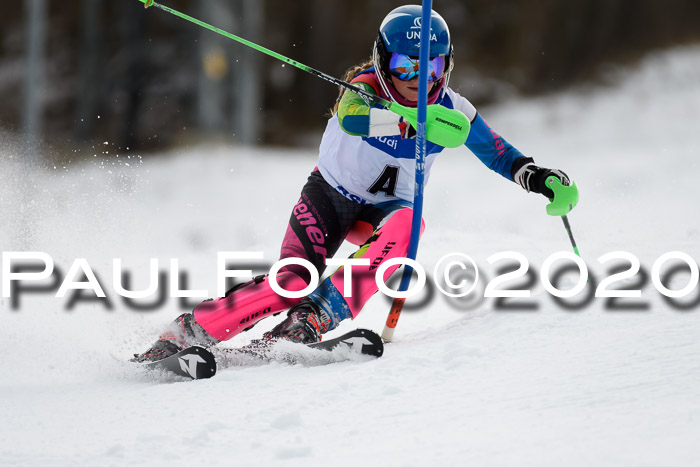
(193, 362)
(198, 363)
(362, 341)
(355, 342)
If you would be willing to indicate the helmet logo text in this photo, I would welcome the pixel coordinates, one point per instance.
(412, 34)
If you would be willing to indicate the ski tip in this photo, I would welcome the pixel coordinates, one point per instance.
(193, 362)
(208, 368)
(363, 341)
(376, 346)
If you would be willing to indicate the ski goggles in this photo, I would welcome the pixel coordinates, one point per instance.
(405, 67)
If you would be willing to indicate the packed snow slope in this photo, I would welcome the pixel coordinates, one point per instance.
(465, 382)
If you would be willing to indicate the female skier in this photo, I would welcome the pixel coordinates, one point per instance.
(365, 176)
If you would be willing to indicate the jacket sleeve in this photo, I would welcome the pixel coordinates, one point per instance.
(359, 119)
(494, 151)
(353, 112)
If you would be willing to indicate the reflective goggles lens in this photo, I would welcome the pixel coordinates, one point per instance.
(405, 68)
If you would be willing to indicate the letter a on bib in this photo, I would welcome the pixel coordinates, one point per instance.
(386, 182)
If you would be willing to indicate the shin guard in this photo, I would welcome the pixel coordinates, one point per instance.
(245, 305)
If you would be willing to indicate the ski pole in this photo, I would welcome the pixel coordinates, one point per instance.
(448, 127)
(565, 199)
(423, 55)
(567, 226)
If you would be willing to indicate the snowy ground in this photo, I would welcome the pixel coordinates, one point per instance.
(464, 383)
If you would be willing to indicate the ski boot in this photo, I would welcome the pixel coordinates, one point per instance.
(184, 332)
(305, 323)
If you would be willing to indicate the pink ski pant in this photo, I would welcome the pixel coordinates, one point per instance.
(320, 222)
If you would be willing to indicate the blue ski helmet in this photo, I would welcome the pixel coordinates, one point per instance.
(400, 33)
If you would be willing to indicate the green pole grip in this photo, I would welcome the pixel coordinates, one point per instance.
(565, 197)
(446, 127)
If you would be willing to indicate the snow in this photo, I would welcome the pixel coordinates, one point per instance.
(463, 383)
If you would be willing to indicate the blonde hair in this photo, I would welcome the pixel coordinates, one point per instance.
(350, 74)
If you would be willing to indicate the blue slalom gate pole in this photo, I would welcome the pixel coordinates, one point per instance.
(423, 58)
